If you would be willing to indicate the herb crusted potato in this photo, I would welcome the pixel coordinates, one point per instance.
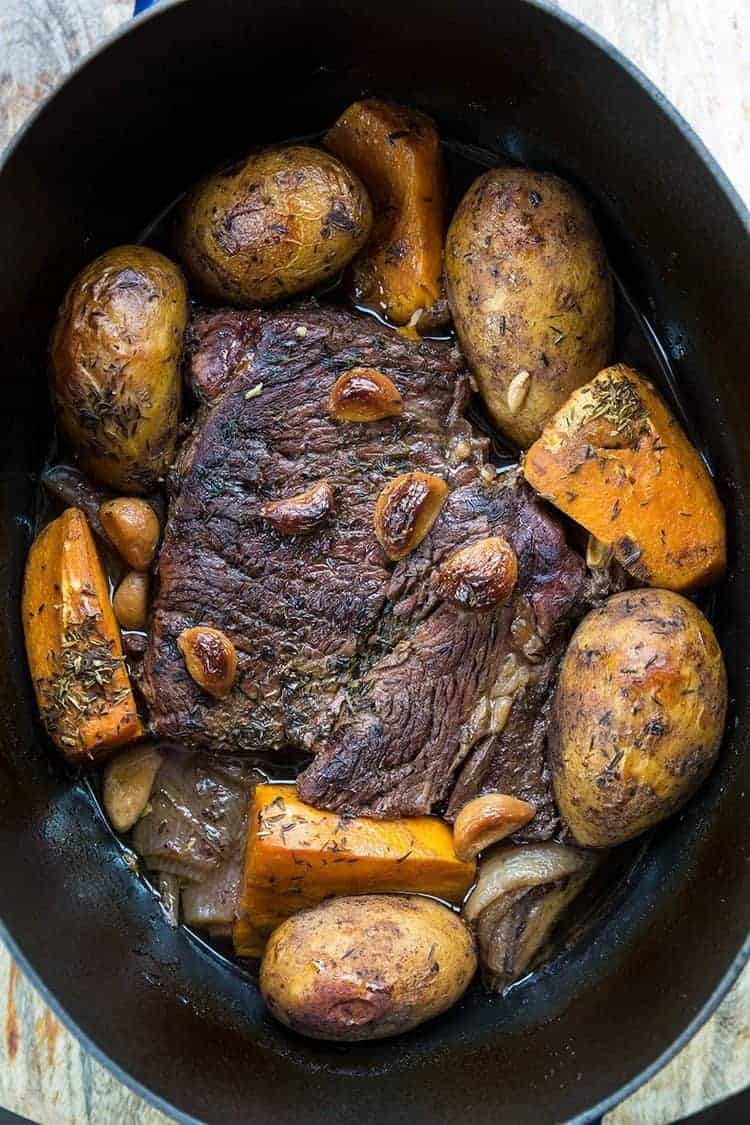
(115, 366)
(366, 967)
(279, 222)
(638, 715)
(530, 291)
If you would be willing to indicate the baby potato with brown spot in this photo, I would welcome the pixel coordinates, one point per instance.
(530, 291)
(280, 222)
(366, 967)
(115, 366)
(638, 715)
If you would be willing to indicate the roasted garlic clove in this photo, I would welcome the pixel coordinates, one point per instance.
(133, 528)
(364, 394)
(598, 553)
(480, 576)
(127, 783)
(405, 511)
(210, 658)
(305, 512)
(130, 601)
(486, 820)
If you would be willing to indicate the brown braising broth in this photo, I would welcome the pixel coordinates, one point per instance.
(636, 344)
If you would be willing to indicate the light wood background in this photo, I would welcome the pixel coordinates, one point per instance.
(698, 52)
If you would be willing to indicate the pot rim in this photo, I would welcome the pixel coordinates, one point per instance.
(742, 212)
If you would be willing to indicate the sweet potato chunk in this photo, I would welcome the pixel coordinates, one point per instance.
(616, 460)
(73, 644)
(396, 153)
(298, 855)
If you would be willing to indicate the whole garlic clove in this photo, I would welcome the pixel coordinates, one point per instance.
(133, 528)
(487, 819)
(598, 553)
(302, 513)
(405, 511)
(127, 783)
(364, 394)
(130, 601)
(479, 577)
(210, 658)
(518, 389)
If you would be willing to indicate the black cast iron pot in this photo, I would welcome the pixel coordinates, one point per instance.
(173, 94)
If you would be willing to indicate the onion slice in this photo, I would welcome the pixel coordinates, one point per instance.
(519, 895)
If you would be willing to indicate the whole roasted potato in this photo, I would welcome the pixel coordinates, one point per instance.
(531, 295)
(115, 366)
(280, 222)
(366, 967)
(638, 715)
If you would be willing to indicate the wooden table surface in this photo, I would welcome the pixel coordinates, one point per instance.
(699, 54)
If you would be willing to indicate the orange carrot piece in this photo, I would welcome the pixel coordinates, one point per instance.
(298, 855)
(73, 644)
(616, 460)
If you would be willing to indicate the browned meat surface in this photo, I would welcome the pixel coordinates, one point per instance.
(410, 705)
(461, 700)
(215, 343)
(303, 611)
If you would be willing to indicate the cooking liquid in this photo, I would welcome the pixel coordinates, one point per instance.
(636, 344)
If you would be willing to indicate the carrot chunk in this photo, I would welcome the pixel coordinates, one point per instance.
(298, 855)
(73, 644)
(616, 460)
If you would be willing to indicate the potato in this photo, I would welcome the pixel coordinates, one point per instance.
(115, 366)
(531, 295)
(280, 222)
(366, 967)
(396, 152)
(638, 715)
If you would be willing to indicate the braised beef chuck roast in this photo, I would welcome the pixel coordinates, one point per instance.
(304, 611)
(459, 703)
(403, 698)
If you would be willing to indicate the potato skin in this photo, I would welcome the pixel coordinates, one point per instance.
(530, 291)
(638, 715)
(115, 366)
(366, 967)
(280, 222)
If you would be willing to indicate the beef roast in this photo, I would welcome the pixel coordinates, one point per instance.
(460, 702)
(305, 612)
(409, 704)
